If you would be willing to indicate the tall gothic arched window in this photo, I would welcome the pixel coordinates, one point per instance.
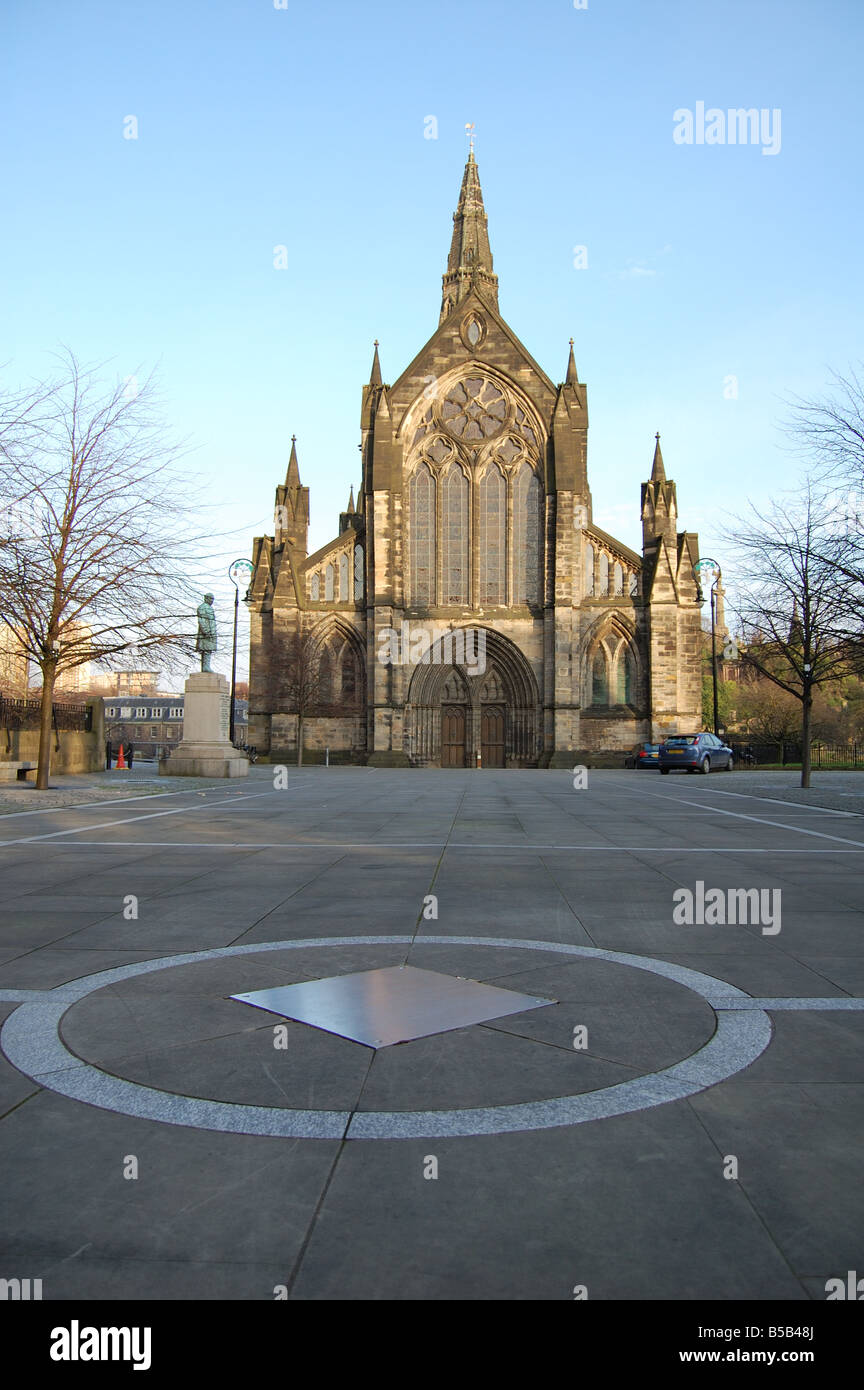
(599, 683)
(589, 569)
(349, 676)
(325, 678)
(358, 573)
(329, 577)
(316, 586)
(454, 526)
(492, 530)
(421, 496)
(526, 536)
(626, 681)
(617, 580)
(603, 584)
(343, 578)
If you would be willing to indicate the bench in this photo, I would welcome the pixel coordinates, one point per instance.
(16, 772)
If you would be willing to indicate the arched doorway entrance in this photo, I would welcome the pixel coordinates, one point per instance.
(455, 712)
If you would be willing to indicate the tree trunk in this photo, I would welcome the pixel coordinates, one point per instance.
(49, 675)
(805, 738)
(299, 740)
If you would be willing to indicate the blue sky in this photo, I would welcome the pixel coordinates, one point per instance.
(304, 127)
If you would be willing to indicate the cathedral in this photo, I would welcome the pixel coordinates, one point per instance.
(469, 612)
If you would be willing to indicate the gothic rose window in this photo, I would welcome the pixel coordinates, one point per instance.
(421, 494)
(526, 536)
(492, 531)
(474, 409)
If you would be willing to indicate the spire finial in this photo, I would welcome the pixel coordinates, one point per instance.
(292, 477)
(375, 378)
(658, 472)
(469, 265)
(470, 132)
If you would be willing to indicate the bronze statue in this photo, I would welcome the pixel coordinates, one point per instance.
(205, 642)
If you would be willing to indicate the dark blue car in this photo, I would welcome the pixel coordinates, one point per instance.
(695, 753)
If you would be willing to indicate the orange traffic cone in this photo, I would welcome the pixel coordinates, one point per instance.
(121, 761)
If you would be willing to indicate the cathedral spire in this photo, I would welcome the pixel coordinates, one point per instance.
(572, 377)
(351, 501)
(470, 261)
(658, 472)
(292, 477)
(375, 378)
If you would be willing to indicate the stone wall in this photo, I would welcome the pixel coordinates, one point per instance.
(71, 751)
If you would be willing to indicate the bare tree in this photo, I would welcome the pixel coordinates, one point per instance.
(96, 541)
(305, 681)
(829, 432)
(797, 607)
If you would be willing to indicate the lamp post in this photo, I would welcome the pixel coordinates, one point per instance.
(239, 570)
(708, 563)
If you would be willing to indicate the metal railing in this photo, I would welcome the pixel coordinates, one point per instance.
(27, 714)
(822, 755)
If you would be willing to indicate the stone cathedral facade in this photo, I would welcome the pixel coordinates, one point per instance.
(473, 532)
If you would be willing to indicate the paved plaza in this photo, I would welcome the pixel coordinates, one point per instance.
(683, 1121)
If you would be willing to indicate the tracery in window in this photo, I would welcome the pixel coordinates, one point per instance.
(421, 493)
(474, 409)
(617, 579)
(492, 531)
(526, 536)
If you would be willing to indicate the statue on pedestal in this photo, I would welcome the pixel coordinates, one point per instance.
(205, 642)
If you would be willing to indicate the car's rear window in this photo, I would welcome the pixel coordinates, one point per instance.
(682, 741)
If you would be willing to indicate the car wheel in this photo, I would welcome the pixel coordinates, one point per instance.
(706, 766)
(664, 771)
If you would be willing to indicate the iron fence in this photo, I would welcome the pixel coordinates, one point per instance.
(822, 755)
(27, 714)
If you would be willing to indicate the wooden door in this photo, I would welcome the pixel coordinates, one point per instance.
(492, 735)
(452, 735)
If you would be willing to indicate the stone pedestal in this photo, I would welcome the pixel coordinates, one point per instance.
(206, 750)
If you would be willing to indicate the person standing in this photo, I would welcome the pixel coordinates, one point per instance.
(129, 752)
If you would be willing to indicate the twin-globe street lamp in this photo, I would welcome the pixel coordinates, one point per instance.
(708, 563)
(238, 572)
